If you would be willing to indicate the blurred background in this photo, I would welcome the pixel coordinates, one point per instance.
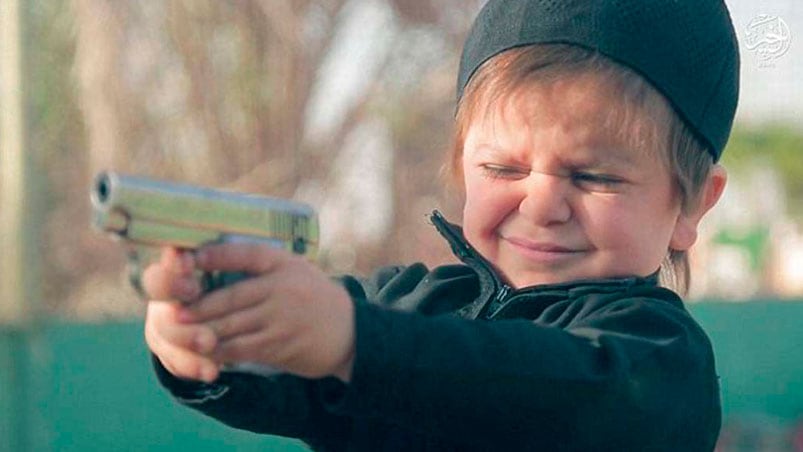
(346, 105)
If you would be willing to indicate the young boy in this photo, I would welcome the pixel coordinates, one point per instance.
(587, 135)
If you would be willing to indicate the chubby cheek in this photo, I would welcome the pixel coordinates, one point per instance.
(611, 231)
(487, 205)
(628, 242)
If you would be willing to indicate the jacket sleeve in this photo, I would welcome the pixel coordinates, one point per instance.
(625, 374)
(282, 405)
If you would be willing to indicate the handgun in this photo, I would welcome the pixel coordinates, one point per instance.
(145, 212)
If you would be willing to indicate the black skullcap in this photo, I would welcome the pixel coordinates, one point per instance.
(687, 49)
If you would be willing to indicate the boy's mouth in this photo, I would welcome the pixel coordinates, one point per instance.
(541, 251)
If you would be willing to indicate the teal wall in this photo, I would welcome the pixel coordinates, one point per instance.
(72, 387)
(759, 352)
(80, 387)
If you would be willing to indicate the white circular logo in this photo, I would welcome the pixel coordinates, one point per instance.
(767, 36)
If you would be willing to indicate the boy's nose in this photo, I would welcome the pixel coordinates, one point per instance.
(545, 200)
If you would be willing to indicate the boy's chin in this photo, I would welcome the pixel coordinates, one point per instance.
(522, 279)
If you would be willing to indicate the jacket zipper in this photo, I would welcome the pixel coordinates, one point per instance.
(498, 301)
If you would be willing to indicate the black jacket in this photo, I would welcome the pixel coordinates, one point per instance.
(451, 359)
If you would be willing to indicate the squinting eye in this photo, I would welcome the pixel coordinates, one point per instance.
(503, 172)
(595, 180)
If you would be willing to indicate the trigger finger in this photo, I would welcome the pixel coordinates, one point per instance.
(161, 284)
(178, 261)
(156, 282)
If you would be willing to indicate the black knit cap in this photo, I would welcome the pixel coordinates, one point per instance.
(686, 49)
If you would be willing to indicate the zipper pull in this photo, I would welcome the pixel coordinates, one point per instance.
(498, 301)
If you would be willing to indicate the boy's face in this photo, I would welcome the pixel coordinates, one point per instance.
(552, 195)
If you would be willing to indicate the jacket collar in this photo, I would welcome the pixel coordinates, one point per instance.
(494, 293)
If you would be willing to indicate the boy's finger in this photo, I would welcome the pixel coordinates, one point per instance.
(240, 348)
(220, 302)
(156, 282)
(162, 284)
(171, 277)
(178, 261)
(243, 322)
(185, 364)
(180, 348)
(163, 331)
(251, 258)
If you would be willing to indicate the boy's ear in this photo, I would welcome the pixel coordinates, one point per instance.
(685, 233)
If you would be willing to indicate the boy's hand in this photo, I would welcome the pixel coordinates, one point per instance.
(182, 348)
(288, 314)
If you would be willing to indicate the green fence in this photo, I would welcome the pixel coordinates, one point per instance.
(79, 387)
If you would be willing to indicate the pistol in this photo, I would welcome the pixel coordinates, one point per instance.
(151, 213)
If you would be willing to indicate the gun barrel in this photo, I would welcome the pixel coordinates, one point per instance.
(141, 209)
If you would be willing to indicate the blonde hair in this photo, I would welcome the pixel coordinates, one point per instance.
(646, 121)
